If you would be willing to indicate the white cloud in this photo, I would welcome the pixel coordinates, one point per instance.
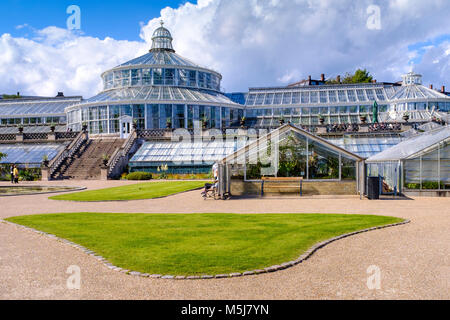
(59, 60)
(252, 43)
(263, 43)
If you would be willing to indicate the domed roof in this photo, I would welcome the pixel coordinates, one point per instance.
(162, 54)
(162, 40)
(160, 57)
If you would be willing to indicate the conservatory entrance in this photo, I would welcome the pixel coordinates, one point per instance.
(290, 152)
(125, 126)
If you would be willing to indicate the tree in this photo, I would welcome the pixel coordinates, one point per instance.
(3, 155)
(360, 76)
(11, 96)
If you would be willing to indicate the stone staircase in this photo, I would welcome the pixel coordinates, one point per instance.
(86, 163)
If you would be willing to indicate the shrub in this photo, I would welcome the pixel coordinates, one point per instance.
(139, 176)
(413, 185)
(430, 185)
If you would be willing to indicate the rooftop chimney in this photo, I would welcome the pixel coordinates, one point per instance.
(443, 89)
(338, 79)
(309, 80)
(60, 94)
(431, 86)
(374, 81)
(322, 77)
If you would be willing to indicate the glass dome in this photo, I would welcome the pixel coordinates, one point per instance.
(161, 66)
(162, 39)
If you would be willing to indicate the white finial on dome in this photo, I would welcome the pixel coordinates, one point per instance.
(162, 39)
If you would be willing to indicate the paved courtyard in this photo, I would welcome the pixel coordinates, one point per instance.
(413, 258)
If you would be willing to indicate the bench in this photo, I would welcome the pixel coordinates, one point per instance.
(293, 182)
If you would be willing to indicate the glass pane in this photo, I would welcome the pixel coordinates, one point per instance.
(323, 163)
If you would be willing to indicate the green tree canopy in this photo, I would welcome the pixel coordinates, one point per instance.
(360, 76)
(10, 96)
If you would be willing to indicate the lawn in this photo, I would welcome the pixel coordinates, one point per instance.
(148, 190)
(196, 244)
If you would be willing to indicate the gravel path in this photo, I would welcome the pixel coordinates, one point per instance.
(413, 258)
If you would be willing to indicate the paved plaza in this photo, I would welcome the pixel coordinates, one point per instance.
(413, 258)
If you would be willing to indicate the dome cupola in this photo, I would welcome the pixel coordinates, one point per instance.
(162, 40)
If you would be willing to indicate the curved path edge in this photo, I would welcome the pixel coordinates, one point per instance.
(306, 255)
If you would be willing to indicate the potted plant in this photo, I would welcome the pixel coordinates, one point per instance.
(52, 127)
(169, 123)
(205, 122)
(105, 159)
(321, 119)
(45, 161)
(135, 124)
(243, 122)
(281, 120)
(406, 116)
(363, 118)
(84, 126)
(20, 128)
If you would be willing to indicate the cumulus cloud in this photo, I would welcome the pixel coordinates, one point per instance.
(56, 59)
(268, 42)
(252, 43)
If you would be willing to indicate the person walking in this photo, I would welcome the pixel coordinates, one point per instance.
(16, 175)
(11, 171)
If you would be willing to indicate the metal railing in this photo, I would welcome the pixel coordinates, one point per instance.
(122, 152)
(67, 152)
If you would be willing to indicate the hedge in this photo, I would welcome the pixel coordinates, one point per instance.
(139, 176)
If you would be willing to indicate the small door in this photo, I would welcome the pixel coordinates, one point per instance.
(125, 127)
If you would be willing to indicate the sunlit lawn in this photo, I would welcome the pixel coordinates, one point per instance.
(195, 244)
(147, 190)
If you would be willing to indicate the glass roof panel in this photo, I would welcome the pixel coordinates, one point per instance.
(412, 145)
(35, 107)
(31, 154)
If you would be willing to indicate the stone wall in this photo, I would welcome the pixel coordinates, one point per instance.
(240, 187)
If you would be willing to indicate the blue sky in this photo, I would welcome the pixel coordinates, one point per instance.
(118, 19)
(251, 43)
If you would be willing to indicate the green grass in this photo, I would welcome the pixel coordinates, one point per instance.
(148, 190)
(195, 244)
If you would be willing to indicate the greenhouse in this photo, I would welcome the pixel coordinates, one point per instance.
(290, 152)
(29, 155)
(421, 162)
(345, 103)
(159, 90)
(182, 157)
(35, 111)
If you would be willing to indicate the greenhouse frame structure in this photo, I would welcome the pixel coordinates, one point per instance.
(421, 162)
(290, 151)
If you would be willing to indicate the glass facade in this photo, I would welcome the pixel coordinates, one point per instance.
(161, 76)
(106, 119)
(430, 170)
(292, 153)
(35, 111)
(421, 162)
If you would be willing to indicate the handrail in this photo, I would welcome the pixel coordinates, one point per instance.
(122, 151)
(67, 152)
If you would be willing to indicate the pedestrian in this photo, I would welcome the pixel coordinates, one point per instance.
(11, 171)
(16, 175)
